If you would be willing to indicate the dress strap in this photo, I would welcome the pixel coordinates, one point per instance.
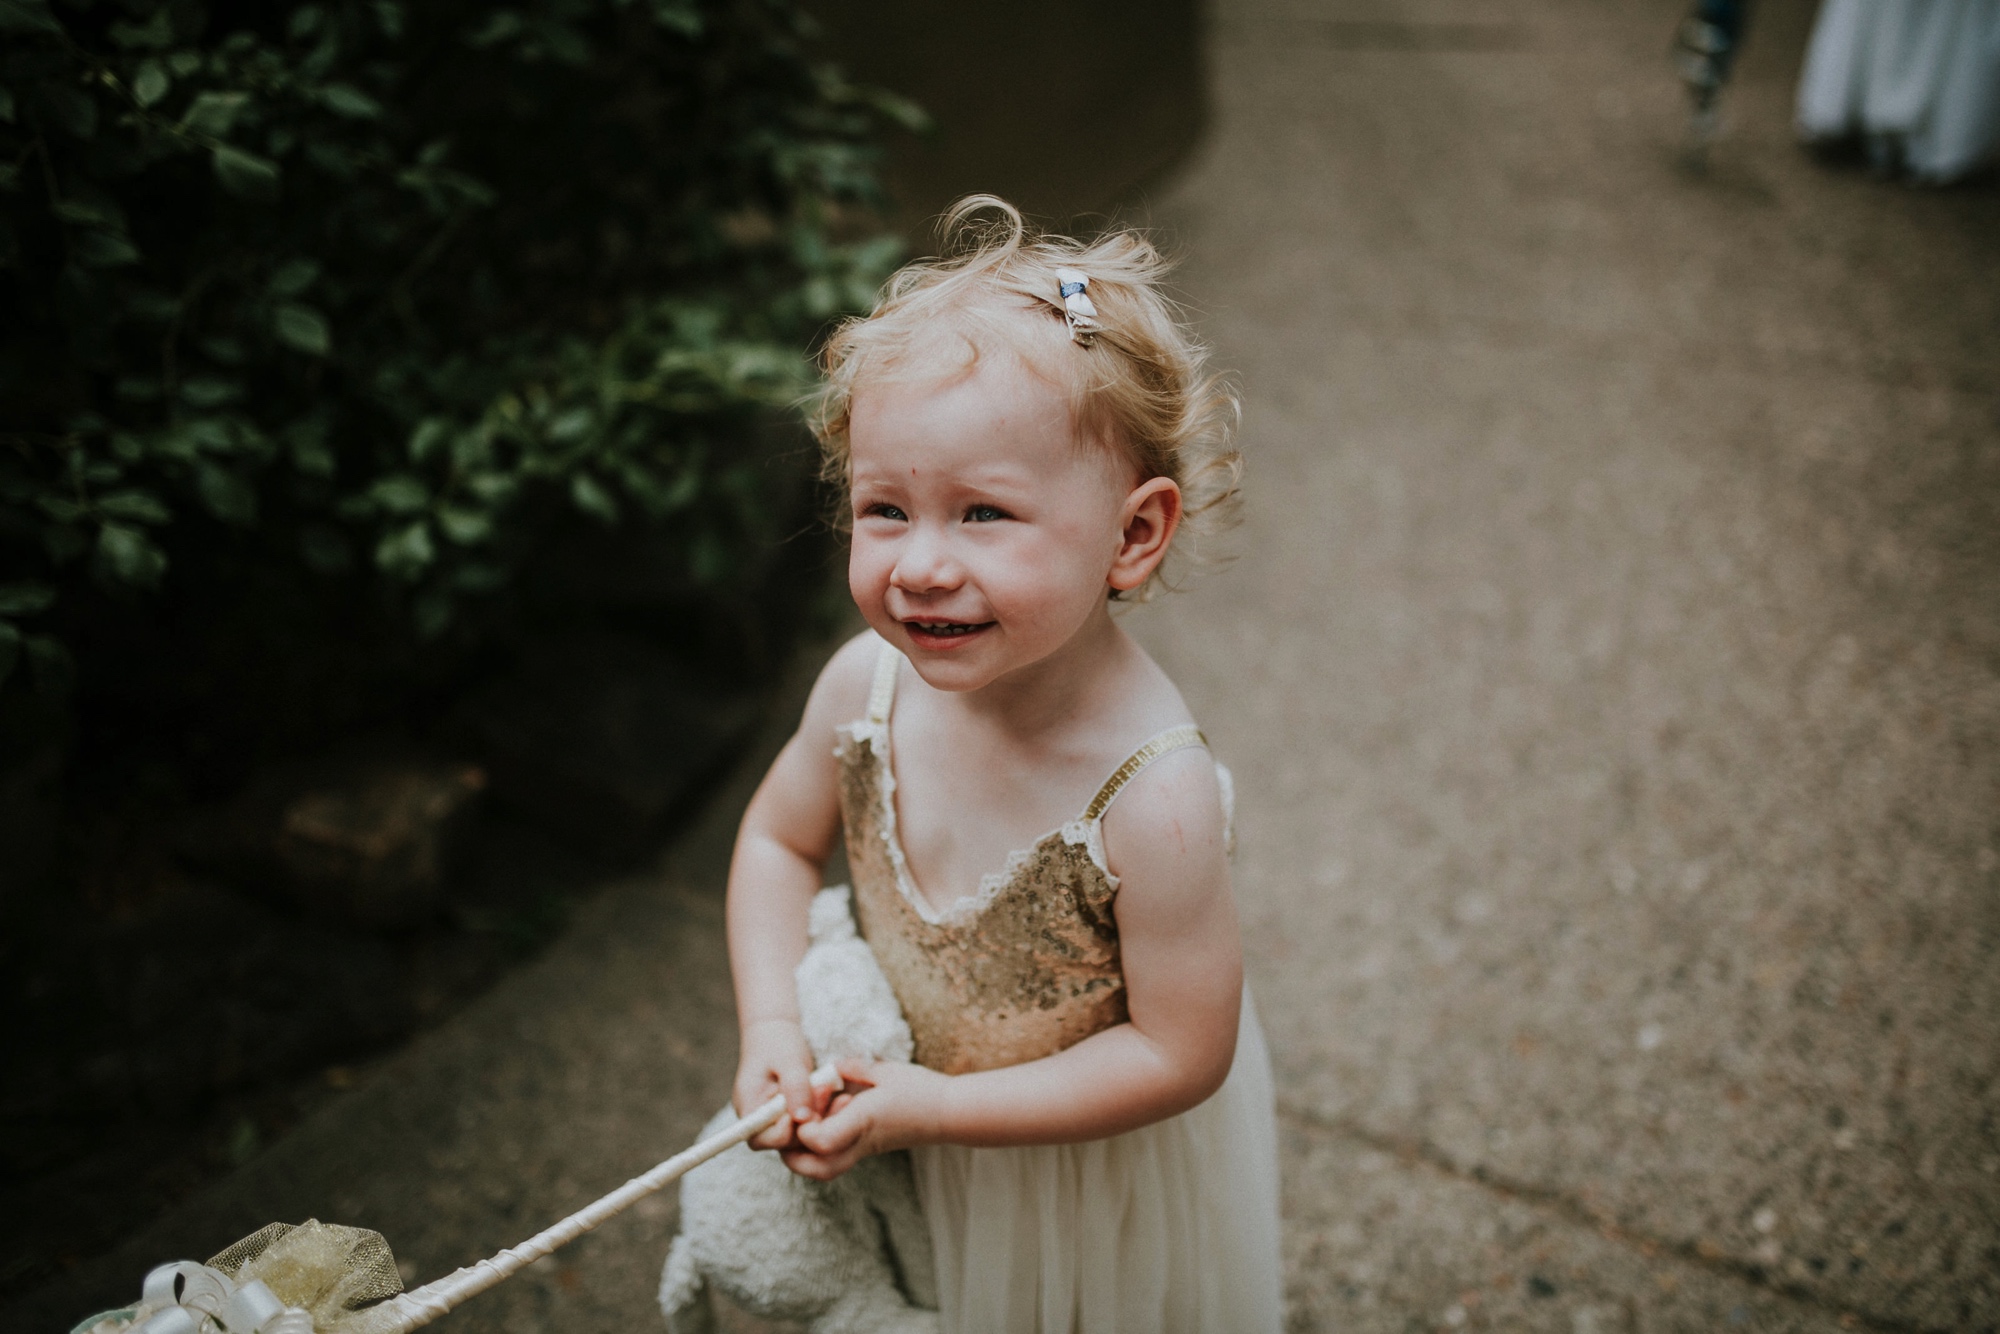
(1173, 739)
(882, 697)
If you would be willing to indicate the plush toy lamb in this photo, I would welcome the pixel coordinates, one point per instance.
(850, 1256)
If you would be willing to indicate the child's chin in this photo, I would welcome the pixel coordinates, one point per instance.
(956, 671)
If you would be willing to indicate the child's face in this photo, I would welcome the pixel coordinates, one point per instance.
(984, 531)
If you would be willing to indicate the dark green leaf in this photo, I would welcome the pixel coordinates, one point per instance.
(303, 328)
(25, 599)
(228, 351)
(406, 551)
(211, 433)
(103, 250)
(137, 506)
(246, 175)
(684, 489)
(464, 526)
(156, 34)
(400, 493)
(500, 25)
(389, 18)
(184, 63)
(227, 495)
(471, 451)
(26, 16)
(129, 556)
(492, 487)
(897, 108)
(81, 212)
(680, 16)
(344, 99)
(572, 425)
(150, 84)
(305, 22)
(213, 113)
(6, 104)
(564, 42)
(10, 649)
(430, 433)
(209, 391)
(294, 276)
(310, 453)
(591, 497)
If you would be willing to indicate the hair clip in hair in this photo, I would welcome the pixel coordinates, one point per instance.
(1078, 312)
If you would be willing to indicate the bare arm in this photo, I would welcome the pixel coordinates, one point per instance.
(1184, 979)
(781, 847)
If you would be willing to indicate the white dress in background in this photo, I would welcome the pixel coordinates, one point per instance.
(1919, 78)
(1168, 1229)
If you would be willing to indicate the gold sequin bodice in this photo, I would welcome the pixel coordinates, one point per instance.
(1022, 969)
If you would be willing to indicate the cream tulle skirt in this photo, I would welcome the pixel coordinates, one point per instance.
(1170, 1229)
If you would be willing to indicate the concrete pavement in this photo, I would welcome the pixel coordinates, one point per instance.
(1611, 674)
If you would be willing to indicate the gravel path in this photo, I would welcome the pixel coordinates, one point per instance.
(1612, 676)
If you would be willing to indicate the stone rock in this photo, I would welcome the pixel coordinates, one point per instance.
(367, 841)
(377, 848)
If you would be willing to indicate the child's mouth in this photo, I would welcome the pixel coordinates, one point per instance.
(941, 634)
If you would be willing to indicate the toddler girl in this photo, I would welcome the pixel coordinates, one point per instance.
(1021, 430)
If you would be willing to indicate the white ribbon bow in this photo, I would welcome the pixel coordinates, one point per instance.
(192, 1298)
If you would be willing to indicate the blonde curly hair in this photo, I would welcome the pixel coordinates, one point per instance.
(1140, 384)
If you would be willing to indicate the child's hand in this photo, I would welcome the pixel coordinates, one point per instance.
(897, 1105)
(776, 1060)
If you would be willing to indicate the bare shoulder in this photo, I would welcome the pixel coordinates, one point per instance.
(1169, 827)
(840, 695)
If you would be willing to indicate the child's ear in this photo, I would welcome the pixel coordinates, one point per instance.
(1146, 528)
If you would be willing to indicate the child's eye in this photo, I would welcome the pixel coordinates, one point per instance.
(984, 514)
(884, 511)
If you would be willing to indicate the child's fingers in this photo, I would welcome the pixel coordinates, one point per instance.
(857, 1071)
(819, 1167)
(834, 1134)
(795, 1082)
(778, 1136)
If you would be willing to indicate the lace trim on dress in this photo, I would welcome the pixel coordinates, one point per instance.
(1086, 832)
(875, 735)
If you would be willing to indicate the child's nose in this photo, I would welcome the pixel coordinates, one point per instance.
(926, 563)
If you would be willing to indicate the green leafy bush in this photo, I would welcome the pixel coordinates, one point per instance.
(377, 294)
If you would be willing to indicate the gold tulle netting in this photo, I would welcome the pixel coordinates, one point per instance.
(324, 1269)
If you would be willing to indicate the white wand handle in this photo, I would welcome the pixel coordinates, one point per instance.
(409, 1310)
